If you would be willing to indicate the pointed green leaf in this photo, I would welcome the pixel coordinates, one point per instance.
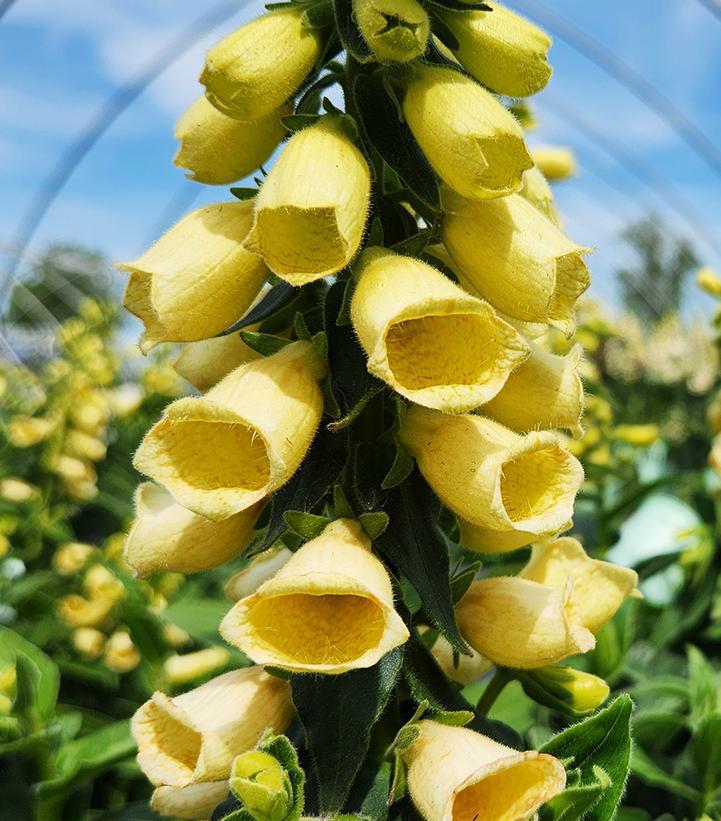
(374, 524)
(307, 525)
(264, 344)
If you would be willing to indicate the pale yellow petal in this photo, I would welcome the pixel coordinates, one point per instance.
(205, 362)
(195, 802)
(258, 570)
(556, 163)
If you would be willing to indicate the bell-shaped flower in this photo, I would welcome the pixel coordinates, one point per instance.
(491, 476)
(427, 338)
(259, 569)
(598, 588)
(473, 143)
(223, 452)
(543, 392)
(194, 802)
(456, 774)
(198, 278)
(396, 31)
(491, 540)
(217, 149)
(205, 362)
(312, 207)
(519, 623)
(508, 253)
(555, 162)
(194, 737)
(167, 537)
(256, 68)
(329, 609)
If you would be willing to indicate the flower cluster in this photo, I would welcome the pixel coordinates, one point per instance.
(389, 286)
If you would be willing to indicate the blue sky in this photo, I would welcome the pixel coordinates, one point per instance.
(61, 61)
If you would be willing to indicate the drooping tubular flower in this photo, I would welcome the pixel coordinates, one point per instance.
(193, 738)
(329, 609)
(395, 30)
(257, 68)
(520, 623)
(217, 149)
(192, 802)
(427, 338)
(554, 161)
(537, 191)
(223, 452)
(205, 362)
(167, 537)
(501, 49)
(456, 774)
(491, 476)
(507, 252)
(543, 392)
(311, 210)
(198, 278)
(473, 143)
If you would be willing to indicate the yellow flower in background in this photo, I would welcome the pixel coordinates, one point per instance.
(167, 537)
(545, 391)
(194, 737)
(329, 609)
(77, 611)
(555, 162)
(217, 149)
(640, 435)
(491, 476)
(88, 642)
(427, 338)
(73, 470)
(121, 655)
(196, 801)
(708, 280)
(205, 362)
(516, 622)
(13, 489)
(259, 66)
(259, 569)
(598, 588)
(507, 252)
(395, 30)
(182, 669)
(71, 557)
(473, 143)
(26, 431)
(90, 411)
(198, 278)
(456, 774)
(311, 210)
(244, 439)
(4, 545)
(501, 49)
(538, 192)
(125, 399)
(101, 583)
(83, 446)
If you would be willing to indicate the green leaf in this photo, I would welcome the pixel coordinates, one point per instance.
(706, 752)
(41, 672)
(702, 685)
(198, 617)
(415, 544)
(461, 5)
(278, 297)
(337, 714)
(645, 769)
(601, 741)
(576, 800)
(400, 470)
(318, 473)
(393, 140)
(350, 36)
(264, 344)
(375, 803)
(244, 193)
(307, 525)
(374, 524)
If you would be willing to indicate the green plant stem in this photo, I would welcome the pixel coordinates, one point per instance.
(494, 689)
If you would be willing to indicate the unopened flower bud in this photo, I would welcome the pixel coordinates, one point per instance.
(257, 68)
(16, 490)
(121, 655)
(555, 163)
(70, 557)
(563, 688)
(262, 785)
(395, 30)
(182, 669)
(88, 642)
(85, 446)
(81, 612)
(26, 431)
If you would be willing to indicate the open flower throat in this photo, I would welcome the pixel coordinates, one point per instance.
(373, 331)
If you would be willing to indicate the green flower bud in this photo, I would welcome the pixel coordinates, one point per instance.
(262, 784)
(565, 689)
(396, 30)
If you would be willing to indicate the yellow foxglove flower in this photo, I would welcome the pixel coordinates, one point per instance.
(490, 475)
(194, 737)
(473, 143)
(198, 278)
(100, 583)
(17, 490)
(72, 469)
(556, 163)
(77, 611)
(217, 149)
(4, 545)
(640, 435)
(501, 49)
(175, 636)
(427, 338)
(125, 399)
(167, 537)
(520, 623)
(468, 669)
(329, 609)
(708, 280)
(258, 570)
(121, 655)
(71, 557)
(91, 411)
(85, 446)
(507, 252)
(543, 392)
(490, 540)
(538, 192)
(88, 642)
(259, 66)
(205, 362)
(396, 30)
(246, 437)
(456, 774)
(26, 431)
(194, 802)
(312, 207)
(598, 588)
(182, 669)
